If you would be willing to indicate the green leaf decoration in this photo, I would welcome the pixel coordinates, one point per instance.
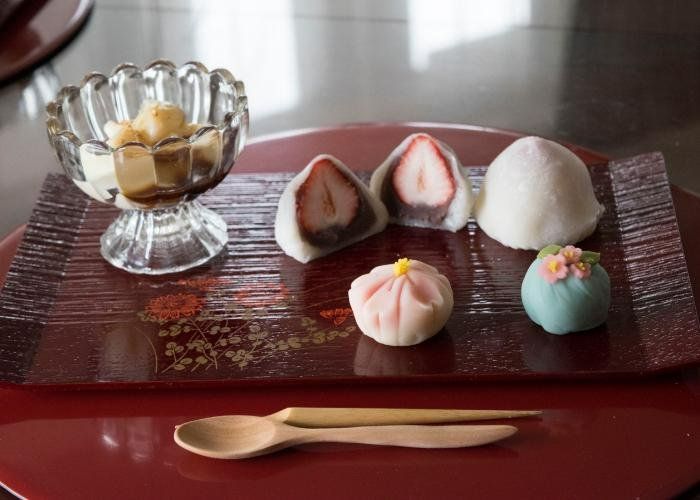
(548, 250)
(591, 258)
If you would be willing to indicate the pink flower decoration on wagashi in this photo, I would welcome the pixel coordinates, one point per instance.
(581, 270)
(553, 268)
(571, 254)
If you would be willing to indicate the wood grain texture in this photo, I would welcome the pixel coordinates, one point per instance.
(254, 315)
(349, 417)
(246, 436)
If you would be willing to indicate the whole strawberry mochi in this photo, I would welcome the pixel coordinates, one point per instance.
(423, 184)
(326, 208)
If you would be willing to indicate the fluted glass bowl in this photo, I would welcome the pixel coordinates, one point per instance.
(162, 228)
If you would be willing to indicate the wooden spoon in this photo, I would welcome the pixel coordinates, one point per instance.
(349, 417)
(244, 436)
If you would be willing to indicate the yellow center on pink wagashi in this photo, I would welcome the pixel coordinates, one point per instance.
(401, 267)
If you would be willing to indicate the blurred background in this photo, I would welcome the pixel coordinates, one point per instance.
(621, 77)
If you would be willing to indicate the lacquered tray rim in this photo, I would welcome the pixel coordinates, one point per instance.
(596, 156)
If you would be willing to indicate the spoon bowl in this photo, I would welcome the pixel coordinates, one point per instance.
(243, 433)
(244, 436)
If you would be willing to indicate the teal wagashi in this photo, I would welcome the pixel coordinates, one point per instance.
(566, 290)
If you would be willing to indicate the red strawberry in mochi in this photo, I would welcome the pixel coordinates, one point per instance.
(422, 175)
(423, 184)
(325, 208)
(327, 203)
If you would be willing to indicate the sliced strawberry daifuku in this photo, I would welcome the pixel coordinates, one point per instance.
(422, 175)
(325, 208)
(423, 184)
(327, 202)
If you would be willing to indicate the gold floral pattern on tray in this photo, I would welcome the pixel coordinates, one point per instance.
(195, 337)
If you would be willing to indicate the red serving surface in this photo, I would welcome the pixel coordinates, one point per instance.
(254, 315)
(614, 438)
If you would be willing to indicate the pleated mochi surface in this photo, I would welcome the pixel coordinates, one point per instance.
(401, 304)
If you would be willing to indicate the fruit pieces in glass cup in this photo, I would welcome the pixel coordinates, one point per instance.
(139, 175)
(155, 121)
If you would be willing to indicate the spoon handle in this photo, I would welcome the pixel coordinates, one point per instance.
(350, 417)
(413, 436)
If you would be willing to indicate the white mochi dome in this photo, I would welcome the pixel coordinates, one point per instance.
(537, 193)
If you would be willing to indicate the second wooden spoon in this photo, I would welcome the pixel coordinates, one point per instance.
(349, 417)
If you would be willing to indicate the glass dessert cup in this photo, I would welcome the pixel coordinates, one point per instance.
(162, 228)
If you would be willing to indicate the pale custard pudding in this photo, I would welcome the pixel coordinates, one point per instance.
(146, 177)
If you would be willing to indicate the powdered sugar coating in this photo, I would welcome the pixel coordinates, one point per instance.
(535, 193)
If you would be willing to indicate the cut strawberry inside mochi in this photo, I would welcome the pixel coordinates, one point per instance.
(423, 184)
(326, 202)
(325, 208)
(422, 175)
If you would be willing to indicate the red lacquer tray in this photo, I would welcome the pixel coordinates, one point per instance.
(618, 438)
(255, 315)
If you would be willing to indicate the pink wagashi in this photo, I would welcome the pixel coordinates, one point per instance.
(401, 304)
